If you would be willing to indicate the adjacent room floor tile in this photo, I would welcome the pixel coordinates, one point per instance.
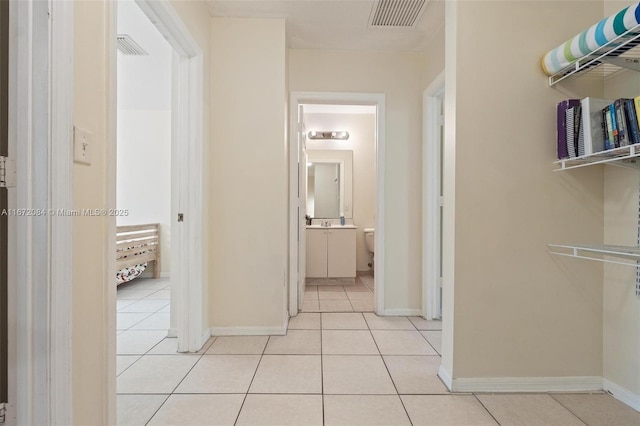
(166, 309)
(528, 410)
(197, 410)
(348, 342)
(134, 294)
(354, 374)
(599, 409)
(364, 410)
(155, 374)
(415, 374)
(305, 321)
(281, 410)
(332, 295)
(435, 339)
(136, 410)
(295, 342)
(160, 294)
(335, 306)
(343, 321)
(388, 323)
(128, 320)
(310, 306)
(149, 306)
(157, 321)
(402, 343)
(361, 296)
(311, 294)
(123, 303)
(125, 361)
(288, 374)
(423, 324)
(150, 283)
(136, 342)
(169, 346)
(330, 288)
(220, 374)
(238, 345)
(362, 305)
(446, 410)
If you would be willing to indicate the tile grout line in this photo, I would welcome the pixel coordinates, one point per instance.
(566, 408)
(486, 409)
(427, 340)
(389, 373)
(322, 369)
(252, 379)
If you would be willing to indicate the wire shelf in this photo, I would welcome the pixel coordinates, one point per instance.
(590, 251)
(594, 65)
(624, 156)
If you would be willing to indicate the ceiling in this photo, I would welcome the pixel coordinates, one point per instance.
(336, 24)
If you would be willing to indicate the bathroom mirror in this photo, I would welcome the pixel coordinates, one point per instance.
(329, 183)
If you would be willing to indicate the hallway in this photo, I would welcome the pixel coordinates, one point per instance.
(331, 369)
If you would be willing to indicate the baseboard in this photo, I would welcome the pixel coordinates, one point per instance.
(402, 313)
(206, 335)
(365, 273)
(172, 332)
(445, 377)
(249, 331)
(527, 384)
(622, 394)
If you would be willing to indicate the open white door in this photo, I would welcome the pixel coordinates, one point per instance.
(302, 205)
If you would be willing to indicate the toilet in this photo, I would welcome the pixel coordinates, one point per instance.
(369, 239)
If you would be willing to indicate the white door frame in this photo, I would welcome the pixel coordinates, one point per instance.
(336, 98)
(431, 253)
(187, 265)
(39, 267)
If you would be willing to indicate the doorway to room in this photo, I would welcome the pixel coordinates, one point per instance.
(339, 136)
(336, 259)
(143, 190)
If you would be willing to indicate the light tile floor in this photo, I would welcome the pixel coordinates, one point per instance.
(331, 369)
(340, 298)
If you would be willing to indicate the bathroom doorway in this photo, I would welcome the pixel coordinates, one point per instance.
(336, 193)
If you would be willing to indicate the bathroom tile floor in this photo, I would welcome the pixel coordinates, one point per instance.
(333, 368)
(340, 298)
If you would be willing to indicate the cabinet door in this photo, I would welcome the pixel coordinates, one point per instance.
(316, 253)
(342, 253)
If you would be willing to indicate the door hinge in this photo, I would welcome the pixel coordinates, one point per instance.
(7, 172)
(3, 411)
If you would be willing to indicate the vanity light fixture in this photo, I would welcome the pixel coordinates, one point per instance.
(331, 134)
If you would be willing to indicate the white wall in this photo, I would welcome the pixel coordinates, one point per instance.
(144, 173)
(361, 128)
(399, 77)
(144, 129)
(249, 175)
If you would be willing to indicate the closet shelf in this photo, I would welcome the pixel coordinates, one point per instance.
(624, 156)
(619, 53)
(590, 251)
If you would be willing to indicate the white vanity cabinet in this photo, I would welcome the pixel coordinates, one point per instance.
(331, 252)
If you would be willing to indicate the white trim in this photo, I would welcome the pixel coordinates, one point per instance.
(60, 227)
(528, 384)
(249, 331)
(622, 394)
(40, 114)
(172, 332)
(445, 376)
(187, 263)
(431, 253)
(337, 98)
(110, 291)
(402, 312)
(206, 335)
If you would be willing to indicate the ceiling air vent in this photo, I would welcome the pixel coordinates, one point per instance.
(127, 46)
(396, 13)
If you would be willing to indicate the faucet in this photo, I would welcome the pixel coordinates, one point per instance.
(326, 224)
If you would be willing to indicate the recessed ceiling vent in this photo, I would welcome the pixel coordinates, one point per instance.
(128, 46)
(396, 13)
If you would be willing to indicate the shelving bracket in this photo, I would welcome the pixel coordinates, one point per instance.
(629, 63)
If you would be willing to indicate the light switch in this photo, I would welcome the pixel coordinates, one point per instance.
(82, 144)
